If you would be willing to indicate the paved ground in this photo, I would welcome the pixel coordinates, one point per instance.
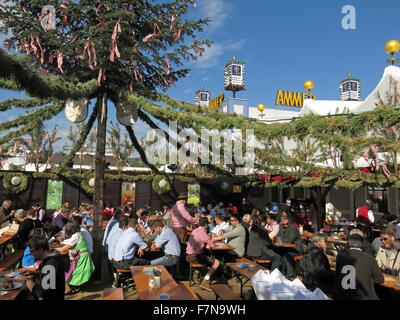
(93, 290)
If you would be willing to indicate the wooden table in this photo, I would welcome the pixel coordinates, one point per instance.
(284, 245)
(391, 282)
(168, 285)
(6, 237)
(220, 246)
(11, 294)
(244, 274)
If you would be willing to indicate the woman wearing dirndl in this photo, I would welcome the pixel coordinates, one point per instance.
(81, 265)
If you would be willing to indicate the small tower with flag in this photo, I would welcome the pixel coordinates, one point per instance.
(234, 76)
(202, 98)
(350, 89)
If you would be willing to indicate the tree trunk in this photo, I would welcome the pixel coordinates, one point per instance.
(99, 186)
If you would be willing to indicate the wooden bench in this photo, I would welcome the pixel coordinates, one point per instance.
(260, 261)
(11, 259)
(126, 274)
(192, 267)
(113, 294)
(243, 260)
(223, 292)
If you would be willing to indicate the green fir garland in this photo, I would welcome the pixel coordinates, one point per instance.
(156, 186)
(15, 189)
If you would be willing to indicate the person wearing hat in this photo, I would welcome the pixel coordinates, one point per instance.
(180, 220)
(6, 213)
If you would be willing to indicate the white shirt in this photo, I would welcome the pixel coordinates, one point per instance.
(88, 238)
(75, 239)
(219, 227)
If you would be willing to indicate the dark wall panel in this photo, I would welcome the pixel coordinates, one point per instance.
(70, 194)
(36, 192)
(83, 198)
(209, 194)
(142, 193)
(112, 193)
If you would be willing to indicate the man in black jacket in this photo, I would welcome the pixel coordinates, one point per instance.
(260, 244)
(28, 223)
(357, 273)
(50, 281)
(288, 233)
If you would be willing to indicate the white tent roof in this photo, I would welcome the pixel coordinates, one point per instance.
(383, 88)
(327, 107)
(330, 107)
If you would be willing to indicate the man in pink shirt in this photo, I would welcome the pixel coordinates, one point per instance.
(272, 226)
(180, 219)
(198, 240)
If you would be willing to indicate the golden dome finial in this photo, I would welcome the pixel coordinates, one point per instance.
(392, 47)
(308, 85)
(234, 58)
(261, 107)
(202, 87)
(349, 75)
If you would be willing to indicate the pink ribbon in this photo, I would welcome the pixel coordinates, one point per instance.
(375, 149)
(26, 46)
(168, 66)
(152, 35)
(178, 33)
(41, 50)
(34, 48)
(173, 18)
(60, 61)
(114, 47)
(386, 170)
(366, 154)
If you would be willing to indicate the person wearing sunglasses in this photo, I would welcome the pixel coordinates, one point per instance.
(288, 233)
(236, 236)
(388, 257)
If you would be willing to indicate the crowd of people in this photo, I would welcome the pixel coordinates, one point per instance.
(144, 236)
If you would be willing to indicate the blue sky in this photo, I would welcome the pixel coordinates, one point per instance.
(283, 44)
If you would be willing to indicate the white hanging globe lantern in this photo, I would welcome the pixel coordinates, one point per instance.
(91, 182)
(15, 181)
(225, 185)
(162, 184)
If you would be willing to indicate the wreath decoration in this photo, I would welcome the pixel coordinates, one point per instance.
(159, 185)
(224, 185)
(9, 186)
(85, 184)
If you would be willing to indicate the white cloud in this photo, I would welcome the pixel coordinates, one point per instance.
(210, 57)
(218, 11)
